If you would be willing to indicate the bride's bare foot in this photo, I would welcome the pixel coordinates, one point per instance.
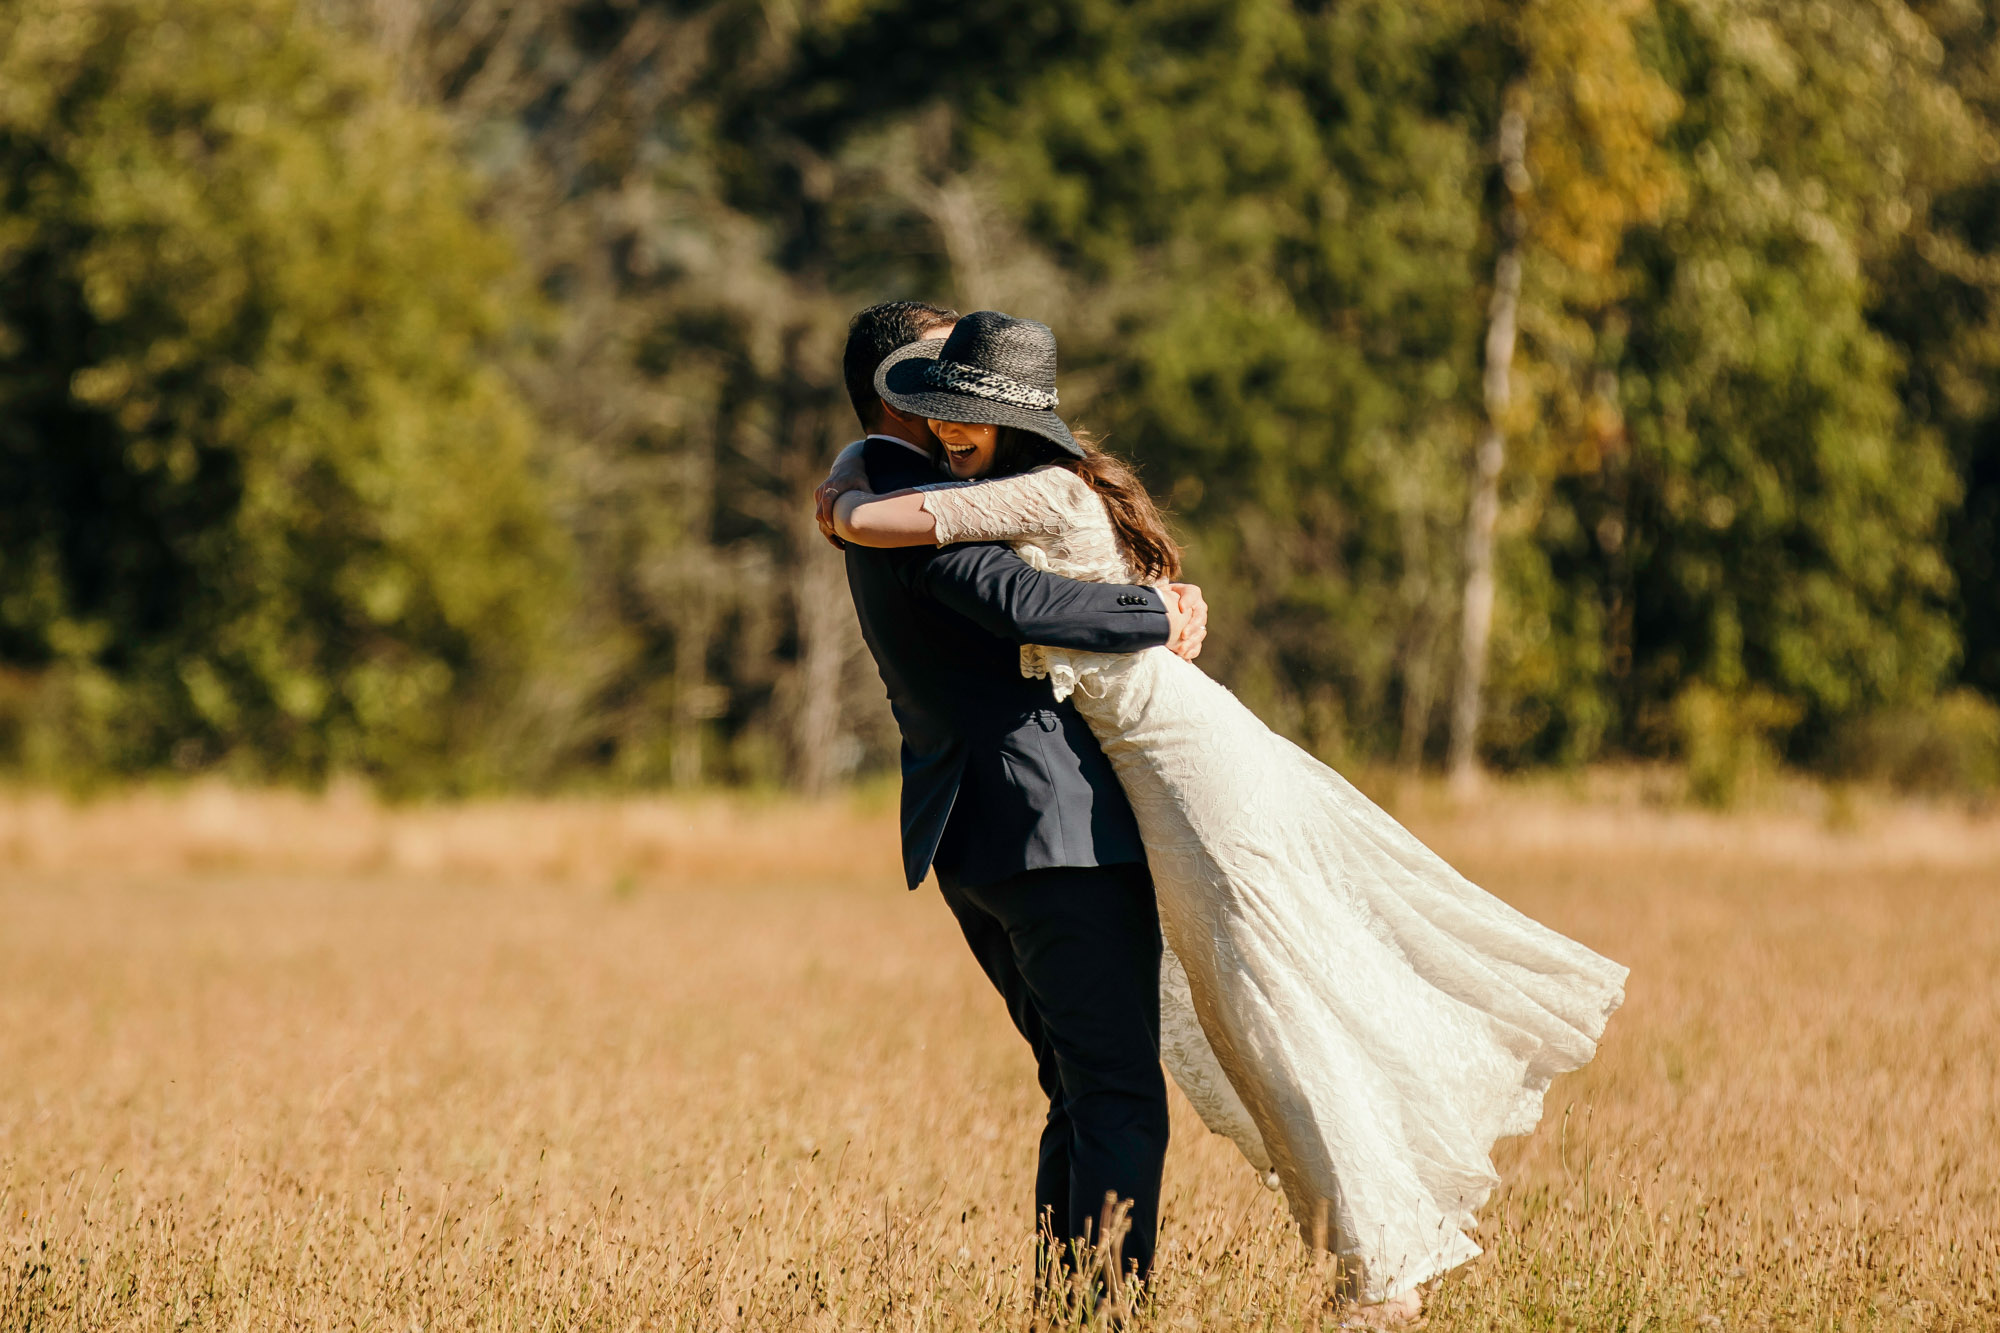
(1405, 1312)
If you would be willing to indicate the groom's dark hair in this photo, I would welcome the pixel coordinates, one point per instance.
(871, 336)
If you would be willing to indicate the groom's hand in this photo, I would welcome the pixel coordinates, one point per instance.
(848, 473)
(1187, 629)
(823, 502)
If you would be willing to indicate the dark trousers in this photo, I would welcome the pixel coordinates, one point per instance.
(1075, 953)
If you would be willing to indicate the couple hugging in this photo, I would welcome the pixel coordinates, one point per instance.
(1149, 874)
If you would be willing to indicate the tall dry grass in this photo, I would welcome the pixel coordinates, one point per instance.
(271, 1062)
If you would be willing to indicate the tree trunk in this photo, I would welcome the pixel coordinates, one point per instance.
(697, 700)
(1613, 540)
(1420, 639)
(1489, 455)
(953, 208)
(822, 614)
(1418, 678)
(826, 638)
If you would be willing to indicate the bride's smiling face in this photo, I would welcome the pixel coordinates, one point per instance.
(968, 448)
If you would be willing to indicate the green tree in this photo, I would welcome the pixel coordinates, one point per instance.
(1763, 527)
(703, 240)
(1936, 269)
(1580, 163)
(264, 498)
(1258, 218)
(1755, 300)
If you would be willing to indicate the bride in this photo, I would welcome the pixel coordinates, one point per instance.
(1361, 1020)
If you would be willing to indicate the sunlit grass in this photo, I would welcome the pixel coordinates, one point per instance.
(271, 1062)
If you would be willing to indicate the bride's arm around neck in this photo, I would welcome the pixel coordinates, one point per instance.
(896, 519)
(1027, 504)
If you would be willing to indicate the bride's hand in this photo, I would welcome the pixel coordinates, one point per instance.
(849, 473)
(1194, 608)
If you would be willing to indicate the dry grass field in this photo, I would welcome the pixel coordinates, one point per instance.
(273, 1062)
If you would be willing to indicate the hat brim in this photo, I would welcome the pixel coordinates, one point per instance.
(900, 380)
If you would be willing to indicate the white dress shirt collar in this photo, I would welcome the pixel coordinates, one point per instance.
(897, 439)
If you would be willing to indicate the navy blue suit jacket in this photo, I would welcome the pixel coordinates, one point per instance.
(998, 777)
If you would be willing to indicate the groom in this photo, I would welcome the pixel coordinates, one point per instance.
(1007, 796)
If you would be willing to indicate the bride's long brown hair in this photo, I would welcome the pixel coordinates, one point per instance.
(1142, 533)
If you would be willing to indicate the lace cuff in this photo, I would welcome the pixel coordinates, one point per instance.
(1070, 671)
(1033, 504)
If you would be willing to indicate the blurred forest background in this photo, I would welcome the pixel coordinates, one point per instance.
(432, 390)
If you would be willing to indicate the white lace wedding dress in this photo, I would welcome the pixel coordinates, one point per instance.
(1356, 1015)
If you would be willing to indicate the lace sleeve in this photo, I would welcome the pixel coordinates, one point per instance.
(1042, 503)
